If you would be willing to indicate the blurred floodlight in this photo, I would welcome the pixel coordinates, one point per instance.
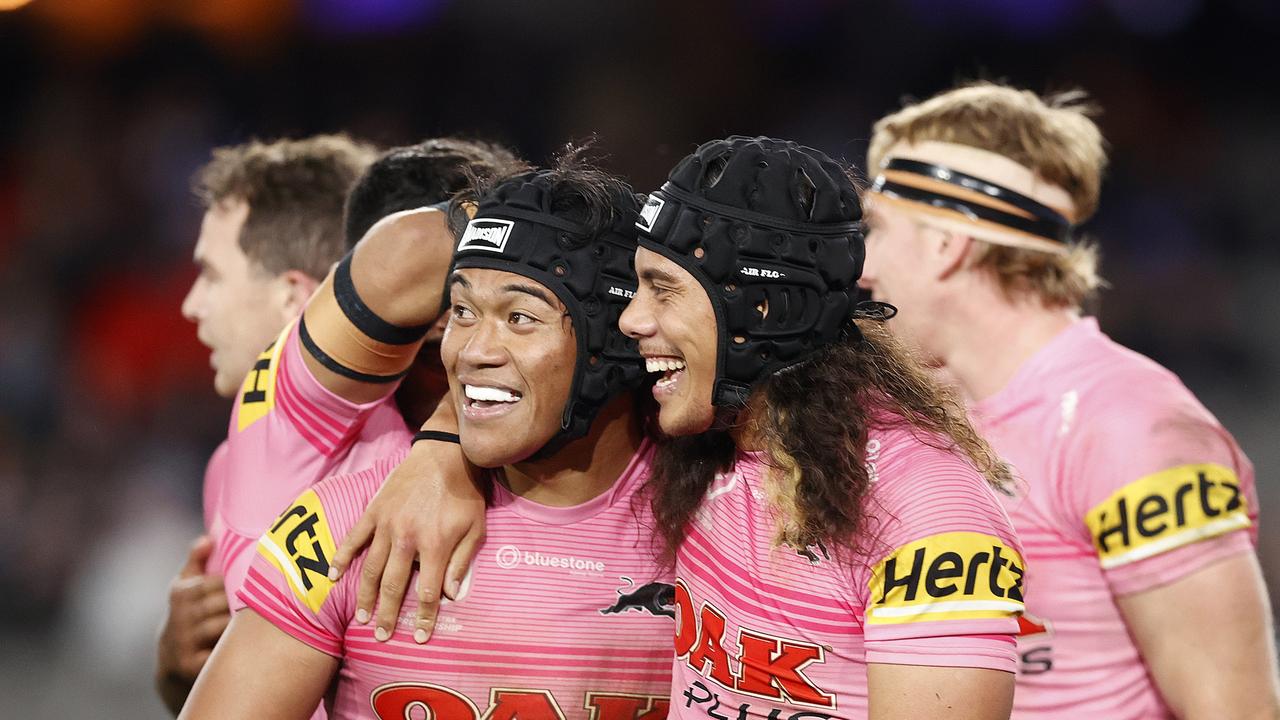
(12, 4)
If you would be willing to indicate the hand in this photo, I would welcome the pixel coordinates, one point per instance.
(198, 614)
(429, 506)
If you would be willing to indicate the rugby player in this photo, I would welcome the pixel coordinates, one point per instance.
(565, 612)
(303, 414)
(272, 227)
(839, 549)
(1136, 507)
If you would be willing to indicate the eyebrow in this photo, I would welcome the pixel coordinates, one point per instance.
(457, 279)
(651, 274)
(529, 290)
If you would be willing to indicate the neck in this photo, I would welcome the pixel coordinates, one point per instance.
(584, 468)
(985, 338)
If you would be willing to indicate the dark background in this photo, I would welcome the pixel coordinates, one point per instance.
(108, 106)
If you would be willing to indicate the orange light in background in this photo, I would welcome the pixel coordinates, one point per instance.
(12, 4)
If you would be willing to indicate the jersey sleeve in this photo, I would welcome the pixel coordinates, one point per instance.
(1160, 490)
(287, 581)
(288, 576)
(944, 581)
(287, 431)
(281, 390)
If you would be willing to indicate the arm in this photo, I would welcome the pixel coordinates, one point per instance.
(257, 671)
(429, 506)
(397, 272)
(1208, 641)
(197, 616)
(906, 692)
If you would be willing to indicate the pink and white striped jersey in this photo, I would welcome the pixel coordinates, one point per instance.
(1127, 483)
(784, 634)
(287, 432)
(566, 614)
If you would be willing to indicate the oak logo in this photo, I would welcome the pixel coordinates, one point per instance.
(1165, 510)
(486, 234)
(949, 576)
(767, 667)
(300, 544)
(396, 701)
(258, 393)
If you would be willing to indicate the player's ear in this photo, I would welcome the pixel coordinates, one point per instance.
(951, 251)
(297, 287)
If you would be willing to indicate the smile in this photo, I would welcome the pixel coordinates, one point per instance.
(488, 401)
(672, 369)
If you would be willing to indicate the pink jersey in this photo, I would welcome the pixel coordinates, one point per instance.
(287, 432)
(1127, 483)
(773, 632)
(566, 614)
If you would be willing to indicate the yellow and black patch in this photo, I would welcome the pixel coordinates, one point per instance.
(258, 393)
(1166, 510)
(300, 545)
(948, 576)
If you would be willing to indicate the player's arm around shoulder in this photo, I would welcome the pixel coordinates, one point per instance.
(1168, 501)
(431, 508)
(259, 671)
(364, 326)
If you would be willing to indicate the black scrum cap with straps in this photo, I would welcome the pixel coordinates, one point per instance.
(516, 230)
(771, 230)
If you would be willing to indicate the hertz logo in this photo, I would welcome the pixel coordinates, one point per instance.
(949, 576)
(258, 393)
(300, 544)
(1165, 510)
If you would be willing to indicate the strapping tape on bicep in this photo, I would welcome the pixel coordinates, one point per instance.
(346, 336)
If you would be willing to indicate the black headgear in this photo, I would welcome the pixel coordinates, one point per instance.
(771, 230)
(515, 230)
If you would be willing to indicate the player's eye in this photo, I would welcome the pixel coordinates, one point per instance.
(519, 318)
(462, 313)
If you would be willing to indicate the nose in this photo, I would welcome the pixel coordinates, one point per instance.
(637, 320)
(191, 303)
(483, 347)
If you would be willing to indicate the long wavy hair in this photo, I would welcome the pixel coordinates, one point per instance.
(811, 421)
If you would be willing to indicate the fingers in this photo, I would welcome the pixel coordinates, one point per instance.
(371, 578)
(197, 556)
(460, 562)
(351, 546)
(430, 576)
(207, 632)
(395, 581)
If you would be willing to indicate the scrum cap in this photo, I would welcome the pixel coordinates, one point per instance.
(771, 230)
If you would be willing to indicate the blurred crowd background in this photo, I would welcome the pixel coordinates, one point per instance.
(108, 106)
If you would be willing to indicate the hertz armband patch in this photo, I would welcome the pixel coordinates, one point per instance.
(949, 576)
(1166, 510)
(300, 544)
(258, 393)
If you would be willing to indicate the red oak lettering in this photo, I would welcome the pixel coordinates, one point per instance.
(522, 704)
(686, 623)
(773, 668)
(709, 648)
(393, 702)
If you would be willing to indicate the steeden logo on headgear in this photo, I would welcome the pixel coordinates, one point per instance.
(650, 212)
(486, 234)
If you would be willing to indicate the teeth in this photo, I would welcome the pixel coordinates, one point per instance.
(490, 394)
(662, 364)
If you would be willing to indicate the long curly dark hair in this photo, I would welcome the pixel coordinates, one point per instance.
(811, 420)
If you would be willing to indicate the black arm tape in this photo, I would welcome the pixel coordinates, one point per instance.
(437, 435)
(324, 359)
(366, 320)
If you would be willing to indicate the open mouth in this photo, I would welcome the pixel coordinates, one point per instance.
(672, 369)
(484, 400)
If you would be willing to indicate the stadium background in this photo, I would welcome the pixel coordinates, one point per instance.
(108, 106)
